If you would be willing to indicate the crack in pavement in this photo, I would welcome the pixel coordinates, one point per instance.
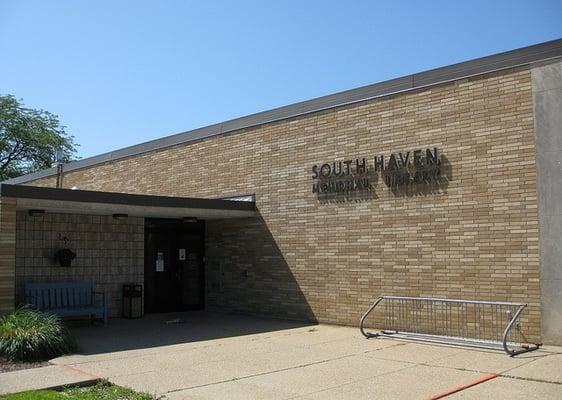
(281, 370)
(530, 379)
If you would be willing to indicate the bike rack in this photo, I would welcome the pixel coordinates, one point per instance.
(482, 324)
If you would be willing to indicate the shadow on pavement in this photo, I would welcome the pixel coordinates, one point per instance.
(153, 331)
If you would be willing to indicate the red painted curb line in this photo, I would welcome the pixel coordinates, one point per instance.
(74, 369)
(463, 387)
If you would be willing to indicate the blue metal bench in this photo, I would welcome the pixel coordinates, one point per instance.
(66, 299)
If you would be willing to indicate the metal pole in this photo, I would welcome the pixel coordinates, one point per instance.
(59, 175)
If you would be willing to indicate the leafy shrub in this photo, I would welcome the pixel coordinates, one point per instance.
(30, 335)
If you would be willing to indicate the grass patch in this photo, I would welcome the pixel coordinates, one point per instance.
(100, 391)
(36, 395)
(30, 335)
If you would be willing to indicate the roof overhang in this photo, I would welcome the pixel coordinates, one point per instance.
(69, 201)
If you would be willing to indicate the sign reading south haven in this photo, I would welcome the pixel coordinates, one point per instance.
(396, 170)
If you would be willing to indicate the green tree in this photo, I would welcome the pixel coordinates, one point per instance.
(29, 139)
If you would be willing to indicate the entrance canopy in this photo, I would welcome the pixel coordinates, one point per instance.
(108, 203)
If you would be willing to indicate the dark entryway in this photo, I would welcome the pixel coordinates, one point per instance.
(174, 265)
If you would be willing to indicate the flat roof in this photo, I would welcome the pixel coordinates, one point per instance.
(107, 203)
(509, 59)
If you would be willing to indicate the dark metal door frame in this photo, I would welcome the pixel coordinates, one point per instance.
(174, 229)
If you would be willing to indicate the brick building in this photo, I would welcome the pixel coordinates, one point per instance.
(445, 183)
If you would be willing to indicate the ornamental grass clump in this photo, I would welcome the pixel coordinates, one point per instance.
(30, 335)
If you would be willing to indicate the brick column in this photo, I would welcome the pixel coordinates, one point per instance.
(7, 254)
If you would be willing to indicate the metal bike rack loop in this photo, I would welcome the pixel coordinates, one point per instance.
(482, 324)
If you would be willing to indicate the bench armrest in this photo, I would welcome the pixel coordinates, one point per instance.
(103, 304)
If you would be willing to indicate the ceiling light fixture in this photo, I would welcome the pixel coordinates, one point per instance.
(36, 213)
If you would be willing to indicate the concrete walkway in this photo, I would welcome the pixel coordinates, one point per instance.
(223, 356)
(50, 377)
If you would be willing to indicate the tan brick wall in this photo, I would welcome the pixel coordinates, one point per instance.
(247, 272)
(109, 252)
(7, 253)
(475, 237)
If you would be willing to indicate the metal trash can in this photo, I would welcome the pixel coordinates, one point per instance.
(132, 300)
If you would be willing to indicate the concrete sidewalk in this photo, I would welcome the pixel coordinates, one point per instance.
(49, 377)
(223, 356)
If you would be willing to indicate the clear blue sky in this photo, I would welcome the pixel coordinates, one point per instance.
(122, 72)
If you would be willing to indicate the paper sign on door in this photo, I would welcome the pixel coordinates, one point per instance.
(160, 262)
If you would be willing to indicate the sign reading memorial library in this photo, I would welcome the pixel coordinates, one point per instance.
(396, 170)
